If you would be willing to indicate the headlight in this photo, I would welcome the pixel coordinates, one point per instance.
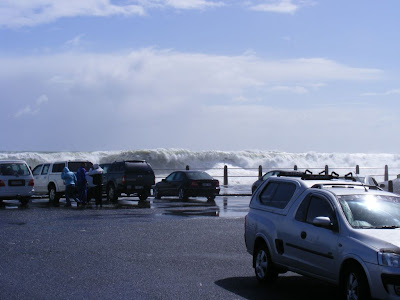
(386, 258)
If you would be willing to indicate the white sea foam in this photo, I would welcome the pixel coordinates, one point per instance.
(242, 165)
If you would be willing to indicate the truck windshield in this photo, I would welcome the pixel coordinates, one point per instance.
(371, 211)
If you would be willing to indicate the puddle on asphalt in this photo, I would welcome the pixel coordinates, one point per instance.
(223, 206)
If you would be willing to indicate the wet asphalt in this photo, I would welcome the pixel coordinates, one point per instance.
(158, 249)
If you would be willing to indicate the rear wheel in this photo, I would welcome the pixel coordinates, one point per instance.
(355, 285)
(263, 267)
(144, 196)
(24, 201)
(210, 198)
(112, 193)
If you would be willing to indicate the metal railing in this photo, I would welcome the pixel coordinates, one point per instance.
(377, 172)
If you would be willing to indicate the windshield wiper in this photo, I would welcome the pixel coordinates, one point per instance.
(387, 227)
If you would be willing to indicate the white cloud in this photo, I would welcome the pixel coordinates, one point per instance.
(28, 110)
(280, 6)
(182, 4)
(386, 93)
(14, 14)
(75, 42)
(33, 12)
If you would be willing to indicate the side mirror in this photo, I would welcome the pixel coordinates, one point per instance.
(324, 222)
(164, 180)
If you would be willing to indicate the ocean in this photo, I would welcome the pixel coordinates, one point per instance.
(242, 165)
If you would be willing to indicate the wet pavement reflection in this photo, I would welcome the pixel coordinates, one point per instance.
(222, 206)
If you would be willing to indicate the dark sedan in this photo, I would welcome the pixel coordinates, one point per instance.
(186, 184)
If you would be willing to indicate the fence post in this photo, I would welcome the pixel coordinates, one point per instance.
(326, 170)
(187, 167)
(357, 169)
(386, 173)
(390, 186)
(225, 175)
(259, 172)
(295, 167)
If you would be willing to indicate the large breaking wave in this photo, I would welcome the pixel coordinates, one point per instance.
(242, 165)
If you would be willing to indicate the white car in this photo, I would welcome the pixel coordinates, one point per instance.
(16, 181)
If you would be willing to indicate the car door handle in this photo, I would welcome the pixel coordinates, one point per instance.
(303, 235)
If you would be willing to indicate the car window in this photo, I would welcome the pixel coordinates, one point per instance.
(45, 170)
(179, 176)
(319, 207)
(14, 169)
(198, 175)
(37, 169)
(58, 167)
(170, 177)
(277, 194)
(301, 213)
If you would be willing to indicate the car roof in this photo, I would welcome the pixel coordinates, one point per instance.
(12, 161)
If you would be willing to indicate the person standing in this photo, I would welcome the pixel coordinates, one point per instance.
(82, 183)
(70, 182)
(97, 178)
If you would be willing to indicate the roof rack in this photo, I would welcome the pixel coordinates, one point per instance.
(290, 174)
(308, 175)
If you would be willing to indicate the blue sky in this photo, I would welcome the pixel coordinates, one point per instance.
(281, 75)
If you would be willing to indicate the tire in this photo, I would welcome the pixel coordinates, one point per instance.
(144, 196)
(263, 266)
(355, 284)
(24, 201)
(112, 193)
(182, 194)
(53, 196)
(210, 198)
(156, 193)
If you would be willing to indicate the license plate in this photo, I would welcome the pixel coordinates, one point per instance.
(206, 184)
(19, 182)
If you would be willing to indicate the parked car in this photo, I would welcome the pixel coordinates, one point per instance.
(48, 178)
(186, 184)
(129, 177)
(275, 173)
(336, 230)
(16, 181)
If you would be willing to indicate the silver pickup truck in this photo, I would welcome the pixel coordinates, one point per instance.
(340, 231)
(48, 178)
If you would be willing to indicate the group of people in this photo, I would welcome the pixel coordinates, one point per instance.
(76, 186)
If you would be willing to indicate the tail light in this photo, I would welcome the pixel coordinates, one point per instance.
(194, 183)
(123, 179)
(31, 182)
(217, 185)
(2, 183)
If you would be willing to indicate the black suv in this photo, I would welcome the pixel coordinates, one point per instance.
(129, 177)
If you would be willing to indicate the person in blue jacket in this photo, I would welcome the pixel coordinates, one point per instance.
(70, 182)
(82, 183)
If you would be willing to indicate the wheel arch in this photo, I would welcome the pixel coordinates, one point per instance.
(353, 262)
(260, 240)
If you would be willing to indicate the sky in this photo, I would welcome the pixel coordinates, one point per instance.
(276, 75)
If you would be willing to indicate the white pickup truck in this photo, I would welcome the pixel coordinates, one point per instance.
(343, 232)
(48, 178)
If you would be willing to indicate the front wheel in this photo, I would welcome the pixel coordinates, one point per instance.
(263, 267)
(53, 196)
(182, 194)
(112, 194)
(355, 284)
(156, 193)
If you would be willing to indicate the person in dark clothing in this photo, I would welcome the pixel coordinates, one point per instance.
(81, 185)
(69, 181)
(97, 173)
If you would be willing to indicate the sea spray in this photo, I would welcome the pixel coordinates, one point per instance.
(243, 164)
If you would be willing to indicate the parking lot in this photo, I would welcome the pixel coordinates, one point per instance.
(160, 249)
